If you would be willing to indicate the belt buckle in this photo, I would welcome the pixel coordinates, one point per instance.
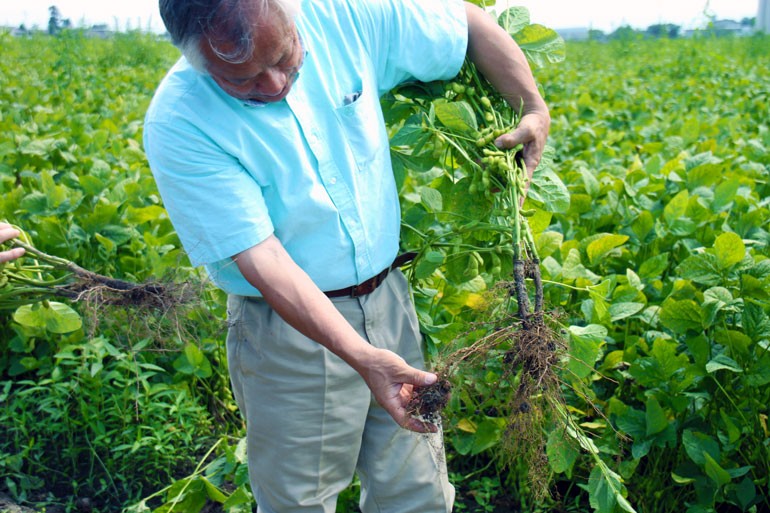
(369, 285)
(365, 288)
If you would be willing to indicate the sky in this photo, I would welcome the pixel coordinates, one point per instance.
(605, 15)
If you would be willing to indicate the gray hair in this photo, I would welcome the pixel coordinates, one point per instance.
(222, 24)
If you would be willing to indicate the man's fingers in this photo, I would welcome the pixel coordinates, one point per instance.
(424, 379)
(531, 160)
(420, 426)
(405, 419)
(510, 140)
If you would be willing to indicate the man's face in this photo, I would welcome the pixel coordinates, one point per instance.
(272, 69)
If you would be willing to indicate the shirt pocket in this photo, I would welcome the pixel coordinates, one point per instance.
(362, 126)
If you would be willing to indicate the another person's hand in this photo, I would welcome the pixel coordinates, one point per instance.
(8, 232)
(392, 381)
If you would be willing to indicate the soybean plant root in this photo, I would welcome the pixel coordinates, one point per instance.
(81, 285)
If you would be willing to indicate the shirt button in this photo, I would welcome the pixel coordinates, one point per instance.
(333, 180)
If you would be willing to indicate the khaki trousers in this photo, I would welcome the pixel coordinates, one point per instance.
(312, 422)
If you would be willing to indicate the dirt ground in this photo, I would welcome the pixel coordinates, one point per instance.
(8, 506)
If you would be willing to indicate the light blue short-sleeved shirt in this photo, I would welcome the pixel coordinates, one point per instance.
(314, 168)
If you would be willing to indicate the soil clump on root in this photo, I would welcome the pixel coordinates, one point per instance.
(428, 402)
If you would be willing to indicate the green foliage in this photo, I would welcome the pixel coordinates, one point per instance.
(659, 262)
(95, 421)
(205, 485)
(655, 252)
(113, 416)
(666, 242)
(73, 174)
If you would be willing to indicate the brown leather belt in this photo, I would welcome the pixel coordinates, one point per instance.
(372, 283)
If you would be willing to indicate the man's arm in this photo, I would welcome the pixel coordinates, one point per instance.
(291, 293)
(501, 61)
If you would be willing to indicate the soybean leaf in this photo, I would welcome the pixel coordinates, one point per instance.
(663, 367)
(624, 310)
(53, 317)
(514, 19)
(739, 472)
(724, 194)
(681, 316)
(632, 422)
(756, 323)
(602, 246)
(426, 267)
(548, 243)
(592, 332)
(541, 45)
(656, 420)
(605, 491)
(738, 342)
(702, 268)
(151, 213)
(590, 183)
(729, 250)
(562, 454)
(715, 471)
(585, 346)
(573, 269)
(487, 434)
(188, 495)
(193, 361)
(654, 267)
(746, 492)
(548, 189)
(715, 300)
(643, 226)
(456, 116)
(723, 362)
(676, 208)
(237, 498)
(35, 203)
(213, 492)
(697, 444)
(431, 199)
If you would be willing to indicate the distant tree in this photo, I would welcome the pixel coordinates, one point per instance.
(596, 35)
(659, 30)
(625, 33)
(54, 20)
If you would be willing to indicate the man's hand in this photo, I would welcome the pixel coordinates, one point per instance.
(8, 232)
(392, 381)
(531, 133)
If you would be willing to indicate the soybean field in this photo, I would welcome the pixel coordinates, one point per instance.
(606, 341)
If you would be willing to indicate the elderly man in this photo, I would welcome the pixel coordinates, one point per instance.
(269, 148)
